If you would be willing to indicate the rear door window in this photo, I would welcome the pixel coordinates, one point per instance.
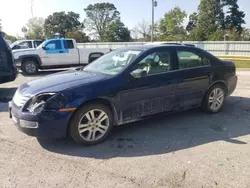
(68, 44)
(188, 59)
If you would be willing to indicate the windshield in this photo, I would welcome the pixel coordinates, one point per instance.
(114, 62)
(22, 45)
(15, 43)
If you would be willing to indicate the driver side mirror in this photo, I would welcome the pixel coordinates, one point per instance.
(43, 47)
(139, 73)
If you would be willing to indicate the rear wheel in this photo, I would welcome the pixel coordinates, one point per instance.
(91, 124)
(214, 99)
(30, 67)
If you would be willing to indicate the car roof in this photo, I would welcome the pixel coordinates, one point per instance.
(60, 39)
(29, 40)
(19, 41)
(157, 45)
(170, 43)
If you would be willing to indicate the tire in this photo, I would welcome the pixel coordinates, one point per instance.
(214, 99)
(82, 129)
(30, 67)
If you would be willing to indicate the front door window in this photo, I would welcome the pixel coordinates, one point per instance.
(156, 63)
(54, 45)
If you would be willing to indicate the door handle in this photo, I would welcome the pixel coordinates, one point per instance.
(60, 52)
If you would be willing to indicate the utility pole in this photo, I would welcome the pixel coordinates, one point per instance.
(31, 8)
(154, 4)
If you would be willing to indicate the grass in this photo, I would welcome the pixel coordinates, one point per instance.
(240, 61)
(233, 57)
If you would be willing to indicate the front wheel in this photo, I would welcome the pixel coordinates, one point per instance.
(30, 67)
(91, 124)
(214, 99)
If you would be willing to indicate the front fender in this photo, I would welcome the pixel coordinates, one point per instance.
(21, 58)
(84, 100)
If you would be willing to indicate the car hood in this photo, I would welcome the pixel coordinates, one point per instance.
(30, 50)
(59, 82)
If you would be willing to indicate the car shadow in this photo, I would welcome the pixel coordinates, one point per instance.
(165, 133)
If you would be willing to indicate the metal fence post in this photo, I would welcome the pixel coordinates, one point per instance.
(227, 48)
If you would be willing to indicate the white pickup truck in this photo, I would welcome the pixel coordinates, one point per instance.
(55, 53)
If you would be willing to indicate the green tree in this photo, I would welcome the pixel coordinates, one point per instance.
(61, 22)
(210, 19)
(192, 23)
(78, 35)
(235, 17)
(99, 16)
(245, 34)
(10, 38)
(116, 32)
(35, 29)
(171, 25)
(214, 22)
(233, 34)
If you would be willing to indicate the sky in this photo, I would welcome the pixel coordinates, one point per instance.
(15, 13)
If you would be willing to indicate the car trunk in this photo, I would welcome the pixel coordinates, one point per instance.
(230, 66)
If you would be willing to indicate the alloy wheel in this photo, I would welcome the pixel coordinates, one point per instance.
(93, 125)
(30, 68)
(216, 99)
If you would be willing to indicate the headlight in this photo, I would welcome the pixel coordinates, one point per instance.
(37, 102)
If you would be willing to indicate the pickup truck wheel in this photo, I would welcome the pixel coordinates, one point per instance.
(30, 67)
(91, 124)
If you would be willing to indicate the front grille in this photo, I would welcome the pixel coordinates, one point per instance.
(20, 100)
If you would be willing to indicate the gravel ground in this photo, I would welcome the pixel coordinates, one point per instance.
(189, 149)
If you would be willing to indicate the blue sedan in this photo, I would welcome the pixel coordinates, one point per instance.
(123, 86)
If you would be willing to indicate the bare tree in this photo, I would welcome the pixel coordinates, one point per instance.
(134, 33)
(143, 28)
